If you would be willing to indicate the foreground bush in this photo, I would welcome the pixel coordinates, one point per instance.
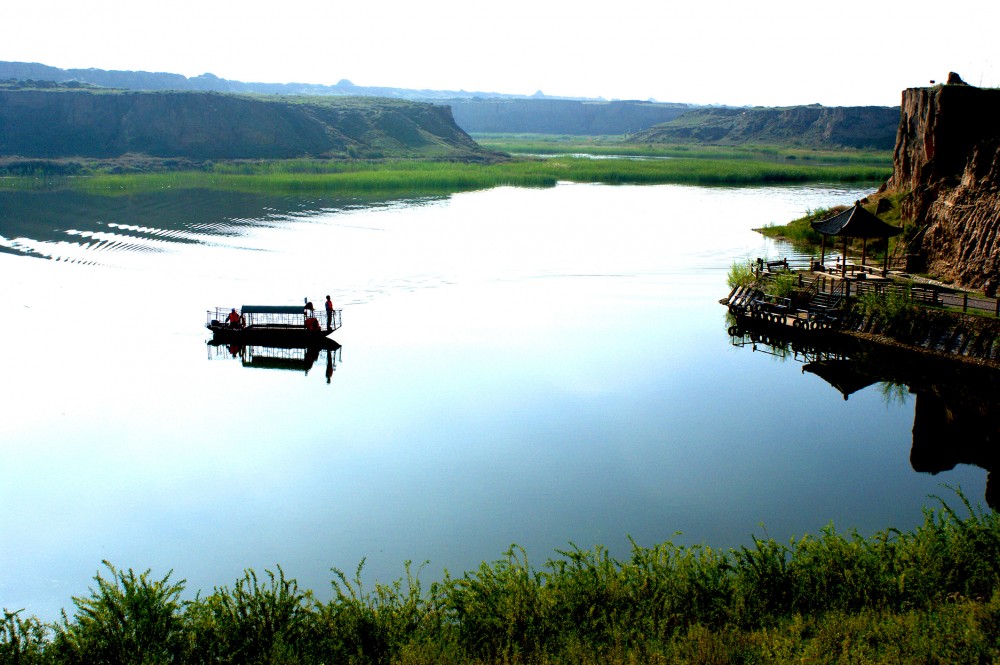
(932, 595)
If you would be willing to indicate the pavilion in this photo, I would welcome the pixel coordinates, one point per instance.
(855, 222)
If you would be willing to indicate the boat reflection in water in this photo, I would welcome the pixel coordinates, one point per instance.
(288, 357)
(955, 403)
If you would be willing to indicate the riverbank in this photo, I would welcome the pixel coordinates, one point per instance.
(411, 177)
(926, 595)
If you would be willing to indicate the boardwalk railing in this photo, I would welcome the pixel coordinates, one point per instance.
(824, 282)
(833, 264)
(935, 296)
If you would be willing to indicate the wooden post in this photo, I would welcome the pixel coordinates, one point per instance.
(965, 302)
(843, 259)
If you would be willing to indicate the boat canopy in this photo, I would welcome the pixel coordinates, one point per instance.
(272, 309)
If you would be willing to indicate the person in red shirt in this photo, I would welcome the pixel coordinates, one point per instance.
(329, 313)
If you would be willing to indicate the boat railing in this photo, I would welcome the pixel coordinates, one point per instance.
(270, 319)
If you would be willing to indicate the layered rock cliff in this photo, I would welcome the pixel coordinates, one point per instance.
(815, 125)
(203, 125)
(947, 160)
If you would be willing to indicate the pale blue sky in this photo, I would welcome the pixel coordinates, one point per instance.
(772, 53)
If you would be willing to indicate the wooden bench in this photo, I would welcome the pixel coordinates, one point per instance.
(775, 266)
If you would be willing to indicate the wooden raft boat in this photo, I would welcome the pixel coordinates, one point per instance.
(276, 325)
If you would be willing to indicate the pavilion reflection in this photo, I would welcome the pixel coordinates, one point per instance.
(295, 358)
(955, 402)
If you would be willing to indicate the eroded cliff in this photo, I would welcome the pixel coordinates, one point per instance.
(818, 126)
(947, 160)
(107, 124)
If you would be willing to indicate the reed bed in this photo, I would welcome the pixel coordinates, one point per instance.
(618, 145)
(415, 177)
(930, 595)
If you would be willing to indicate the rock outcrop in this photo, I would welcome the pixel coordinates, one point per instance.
(947, 158)
(813, 126)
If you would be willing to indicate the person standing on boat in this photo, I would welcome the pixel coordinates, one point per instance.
(234, 319)
(329, 313)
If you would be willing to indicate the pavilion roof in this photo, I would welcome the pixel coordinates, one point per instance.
(855, 222)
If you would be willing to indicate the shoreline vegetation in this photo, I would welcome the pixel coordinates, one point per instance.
(886, 207)
(928, 595)
(568, 161)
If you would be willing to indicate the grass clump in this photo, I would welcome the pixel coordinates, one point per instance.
(930, 595)
(252, 622)
(892, 309)
(782, 285)
(741, 273)
(800, 230)
(22, 640)
(128, 618)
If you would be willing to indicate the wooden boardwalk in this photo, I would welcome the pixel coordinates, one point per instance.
(817, 313)
(750, 302)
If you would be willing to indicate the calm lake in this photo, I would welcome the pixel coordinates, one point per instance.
(530, 366)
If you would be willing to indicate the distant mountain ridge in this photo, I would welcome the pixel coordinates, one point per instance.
(138, 80)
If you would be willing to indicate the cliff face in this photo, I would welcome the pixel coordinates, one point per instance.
(947, 157)
(79, 123)
(560, 116)
(853, 127)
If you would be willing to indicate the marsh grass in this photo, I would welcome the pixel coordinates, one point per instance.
(377, 625)
(541, 144)
(414, 177)
(930, 595)
(252, 622)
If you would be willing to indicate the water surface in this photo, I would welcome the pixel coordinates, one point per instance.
(530, 366)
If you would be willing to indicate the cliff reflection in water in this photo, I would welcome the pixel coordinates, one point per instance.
(300, 359)
(955, 402)
(88, 227)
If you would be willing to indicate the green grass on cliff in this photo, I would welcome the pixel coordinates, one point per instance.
(886, 207)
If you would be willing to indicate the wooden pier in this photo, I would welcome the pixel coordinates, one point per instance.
(821, 293)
